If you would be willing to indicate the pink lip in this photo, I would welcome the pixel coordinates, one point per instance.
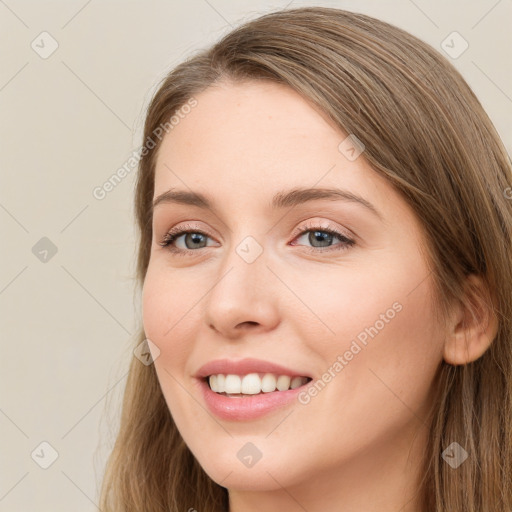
(250, 407)
(245, 366)
(247, 408)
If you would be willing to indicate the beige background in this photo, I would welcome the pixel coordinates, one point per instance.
(68, 122)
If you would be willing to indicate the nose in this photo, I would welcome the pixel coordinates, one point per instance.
(244, 296)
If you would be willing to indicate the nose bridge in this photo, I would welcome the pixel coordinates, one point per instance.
(242, 291)
(247, 245)
(244, 269)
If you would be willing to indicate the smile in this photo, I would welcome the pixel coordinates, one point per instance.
(247, 389)
(239, 386)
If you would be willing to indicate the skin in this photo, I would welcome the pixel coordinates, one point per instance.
(357, 444)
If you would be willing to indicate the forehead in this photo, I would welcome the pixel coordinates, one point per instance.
(260, 130)
(252, 120)
(243, 142)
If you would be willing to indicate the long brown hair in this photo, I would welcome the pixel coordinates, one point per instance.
(423, 130)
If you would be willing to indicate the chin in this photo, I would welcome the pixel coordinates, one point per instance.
(227, 468)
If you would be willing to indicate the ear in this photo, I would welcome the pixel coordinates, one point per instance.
(473, 326)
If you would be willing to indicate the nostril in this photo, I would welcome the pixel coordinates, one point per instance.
(248, 323)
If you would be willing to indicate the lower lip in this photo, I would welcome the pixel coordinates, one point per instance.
(248, 407)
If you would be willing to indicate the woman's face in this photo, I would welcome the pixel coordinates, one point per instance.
(275, 283)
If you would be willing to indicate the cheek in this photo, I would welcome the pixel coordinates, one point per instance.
(344, 302)
(168, 316)
(387, 296)
(380, 322)
(167, 312)
(382, 386)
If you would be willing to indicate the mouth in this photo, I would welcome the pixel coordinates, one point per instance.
(248, 389)
(251, 384)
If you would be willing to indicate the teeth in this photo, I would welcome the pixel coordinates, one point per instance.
(221, 382)
(268, 383)
(233, 384)
(251, 384)
(283, 383)
(213, 383)
(296, 382)
(254, 383)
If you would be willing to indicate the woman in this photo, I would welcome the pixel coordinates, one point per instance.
(325, 241)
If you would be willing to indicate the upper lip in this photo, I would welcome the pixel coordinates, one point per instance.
(245, 366)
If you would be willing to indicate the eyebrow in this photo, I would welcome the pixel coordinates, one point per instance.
(283, 199)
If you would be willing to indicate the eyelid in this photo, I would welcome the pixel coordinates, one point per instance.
(319, 225)
(347, 239)
(182, 229)
(311, 223)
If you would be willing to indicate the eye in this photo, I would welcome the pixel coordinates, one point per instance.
(321, 238)
(193, 239)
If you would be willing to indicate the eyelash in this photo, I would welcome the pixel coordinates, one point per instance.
(175, 233)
